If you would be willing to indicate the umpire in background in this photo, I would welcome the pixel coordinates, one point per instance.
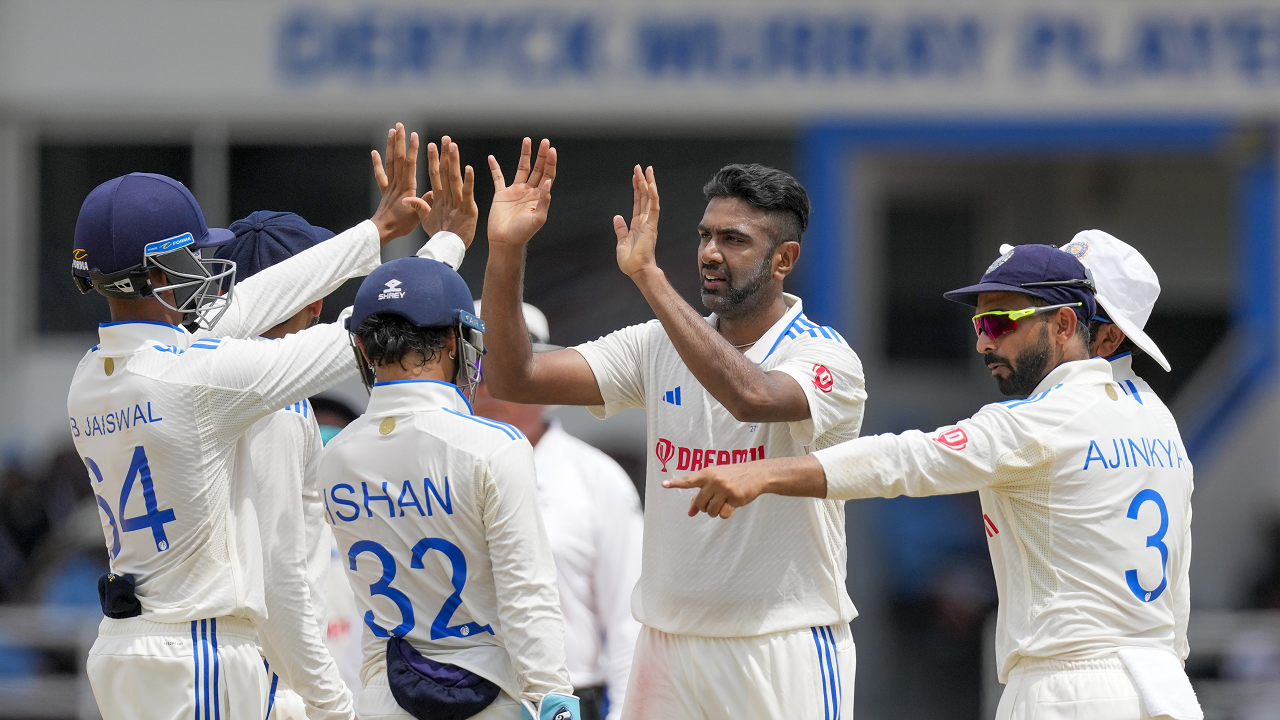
(597, 556)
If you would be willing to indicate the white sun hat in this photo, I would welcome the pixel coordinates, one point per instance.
(539, 329)
(1127, 284)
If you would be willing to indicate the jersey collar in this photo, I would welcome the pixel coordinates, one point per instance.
(406, 396)
(759, 352)
(122, 338)
(1076, 372)
(1122, 367)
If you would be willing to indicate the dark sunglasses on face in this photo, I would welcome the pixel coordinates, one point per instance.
(1001, 322)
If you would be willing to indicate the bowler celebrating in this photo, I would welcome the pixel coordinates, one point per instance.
(1086, 497)
(741, 620)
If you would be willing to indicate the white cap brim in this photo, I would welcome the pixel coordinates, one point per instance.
(1133, 332)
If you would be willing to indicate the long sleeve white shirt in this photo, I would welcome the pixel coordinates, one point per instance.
(1086, 500)
(159, 414)
(296, 543)
(436, 517)
(596, 528)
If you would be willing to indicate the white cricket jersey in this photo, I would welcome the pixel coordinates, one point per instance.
(159, 414)
(297, 543)
(1086, 501)
(436, 516)
(780, 565)
(595, 525)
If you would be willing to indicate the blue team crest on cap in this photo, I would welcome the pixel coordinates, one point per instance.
(1000, 261)
(1079, 248)
(173, 243)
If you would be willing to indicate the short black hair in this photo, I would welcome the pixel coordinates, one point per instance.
(389, 338)
(768, 189)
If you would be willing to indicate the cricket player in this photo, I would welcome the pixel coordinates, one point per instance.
(740, 620)
(436, 513)
(597, 557)
(1086, 499)
(285, 447)
(158, 415)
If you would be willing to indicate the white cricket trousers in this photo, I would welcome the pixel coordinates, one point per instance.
(804, 674)
(377, 703)
(199, 670)
(1047, 689)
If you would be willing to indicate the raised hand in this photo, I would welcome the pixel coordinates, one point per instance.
(520, 209)
(397, 181)
(451, 203)
(637, 244)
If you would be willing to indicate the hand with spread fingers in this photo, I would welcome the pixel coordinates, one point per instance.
(725, 488)
(638, 243)
(451, 203)
(397, 181)
(520, 209)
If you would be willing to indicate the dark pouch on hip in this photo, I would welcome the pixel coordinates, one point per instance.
(117, 596)
(429, 690)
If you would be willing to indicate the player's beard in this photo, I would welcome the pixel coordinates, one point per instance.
(1026, 372)
(739, 300)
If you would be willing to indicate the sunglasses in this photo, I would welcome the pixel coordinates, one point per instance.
(1000, 322)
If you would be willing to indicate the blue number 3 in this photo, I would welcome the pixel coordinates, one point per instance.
(383, 588)
(1155, 541)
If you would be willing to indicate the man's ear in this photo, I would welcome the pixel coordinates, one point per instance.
(363, 354)
(1064, 325)
(1108, 340)
(316, 307)
(785, 257)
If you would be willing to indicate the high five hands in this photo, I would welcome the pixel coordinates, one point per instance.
(451, 203)
(520, 209)
(637, 244)
(398, 182)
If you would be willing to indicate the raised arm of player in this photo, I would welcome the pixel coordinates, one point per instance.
(280, 291)
(511, 370)
(747, 392)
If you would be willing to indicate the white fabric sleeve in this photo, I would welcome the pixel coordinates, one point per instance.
(283, 448)
(617, 360)
(1182, 594)
(830, 374)
(979, 452)
(241, 381)
(524, 573)
(277, 293)
(444, 247)
(616, 573)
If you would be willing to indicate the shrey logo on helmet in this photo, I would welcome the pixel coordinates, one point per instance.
(392, 291)
(822, 378)
(665, 451)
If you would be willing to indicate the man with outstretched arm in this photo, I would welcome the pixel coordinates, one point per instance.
(1086, 499)
(159, 414)
(745, 620)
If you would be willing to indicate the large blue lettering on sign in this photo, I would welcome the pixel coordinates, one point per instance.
(573, 43)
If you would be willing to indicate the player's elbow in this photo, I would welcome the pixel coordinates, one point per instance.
(751, 407)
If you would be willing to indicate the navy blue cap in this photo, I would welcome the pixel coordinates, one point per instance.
(138, 213)
(1019, 271)
(425, 292)
(266, 237)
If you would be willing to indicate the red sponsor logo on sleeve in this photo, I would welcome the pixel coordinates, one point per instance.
(822, 378)
(953, 438)
(665, 451)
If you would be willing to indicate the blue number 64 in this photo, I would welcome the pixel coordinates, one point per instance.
(1155, 541)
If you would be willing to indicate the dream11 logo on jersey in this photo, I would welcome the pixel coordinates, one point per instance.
(822, 378)
(693, 459)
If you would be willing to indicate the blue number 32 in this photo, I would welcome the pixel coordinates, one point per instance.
(155, 518)
(1155, 541)
(440, 625)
